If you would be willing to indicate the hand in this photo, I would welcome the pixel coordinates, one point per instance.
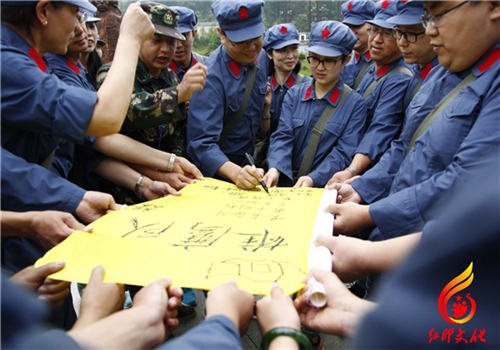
(269, 96)
(348, 256)
(176, 180)
(230, 301)
(276, 310)
(185, 167)
(339, 177)
(248, 178)
(304, 181)
(94, 205)
(161, 302)
(136, 25)
(36, 279)
(343, 309)
(272, 177)
(99, 299)
(194, 80)
(349, 181)
(350, 218)
(346, 193)
(52, 227)
(156, 189)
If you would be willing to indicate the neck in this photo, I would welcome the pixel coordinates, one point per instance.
(281, 76)
(73, 57)
(84, 58)
(429, 59)
(155, 73)
(35, 42)
(361, 53)
(321, 90)
(184, 63)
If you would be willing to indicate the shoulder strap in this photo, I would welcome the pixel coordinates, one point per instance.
(312, 146)
(413, 93)
(438, 109)
(47, 163)
(230, 125)
(199, 58)
(374, 84)
(361, 74)
(300, 77)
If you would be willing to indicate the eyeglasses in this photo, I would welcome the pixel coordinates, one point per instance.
(409, 36)
(328, 63)
(243, 44)
(374, 32)
(437, 19)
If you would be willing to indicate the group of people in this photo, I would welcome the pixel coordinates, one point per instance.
(400, 116)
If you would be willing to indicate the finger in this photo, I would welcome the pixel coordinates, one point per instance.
(276, 291)
(334, 208)
(88, 229)
(261, 173)
(73, 224)
(325, 241)
(53, 288)
(97, 275)
(175, 292)
(320, 275)
(43, 271)
(55, 299)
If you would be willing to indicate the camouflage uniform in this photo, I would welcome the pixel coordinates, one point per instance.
(154, 117)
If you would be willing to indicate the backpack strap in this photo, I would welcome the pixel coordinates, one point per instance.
(230, 125)
(424, 125)
(199, 58)
(361, 74)
(300, 77)
(312, 146)
(374, 84)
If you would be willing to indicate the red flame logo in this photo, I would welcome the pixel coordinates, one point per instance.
(460, 306)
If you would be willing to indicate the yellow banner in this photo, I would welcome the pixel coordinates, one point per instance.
(211, 233)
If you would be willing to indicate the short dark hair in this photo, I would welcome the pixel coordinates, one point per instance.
(23, 15)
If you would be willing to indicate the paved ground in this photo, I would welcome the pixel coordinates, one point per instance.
(251, 340)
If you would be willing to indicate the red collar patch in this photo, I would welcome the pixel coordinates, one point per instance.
(385, 3)
(308, 93)
(335, 96)
(284, 30)
(243, 13)
(492, 58)
(73, 67)
(38, 59)
(349, 6)
(173, 66)
(290, 81)
(356, 57)
(382, 71)
(274, 83)
(325, 33)
(368, 56)
(234, 68)
(425, 72)
(194, 60)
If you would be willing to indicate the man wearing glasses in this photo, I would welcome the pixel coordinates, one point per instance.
(383, 86)
(455, 139)
(222, 122)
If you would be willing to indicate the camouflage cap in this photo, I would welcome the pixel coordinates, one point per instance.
(164, 19)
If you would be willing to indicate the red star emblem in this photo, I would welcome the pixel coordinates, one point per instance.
(404, 1)
(459, 298)
(243, 13)
(385, 3)
(325, 33)
(349, 6)
(284, 30)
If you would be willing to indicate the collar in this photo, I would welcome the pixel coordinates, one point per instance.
(144, 76)
(288, 84)
(12, 38)
(333, 96)
(490, 58)
(73, 67)
(424, 72)
(387, 68)
(176, 68)
(367, 57)
(234, 68)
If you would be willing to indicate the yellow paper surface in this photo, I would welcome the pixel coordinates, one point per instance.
(211, 233)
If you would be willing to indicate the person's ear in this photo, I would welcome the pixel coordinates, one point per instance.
(269, 55)
(194, 33)
(495, 10)
(42, 11)
(347, 59)
(222, 36)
